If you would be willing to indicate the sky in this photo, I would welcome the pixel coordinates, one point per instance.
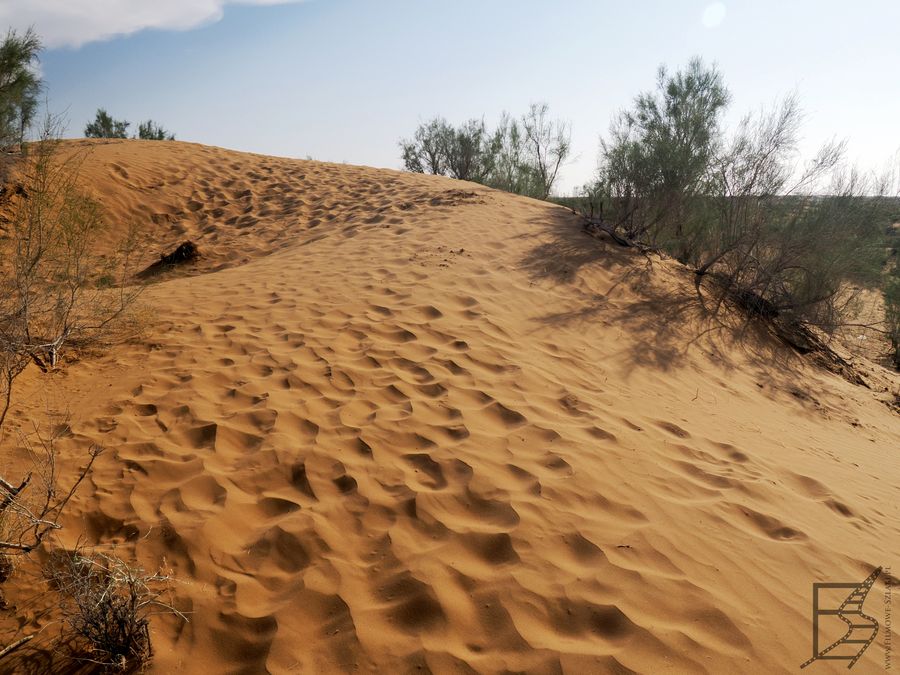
(344, 80)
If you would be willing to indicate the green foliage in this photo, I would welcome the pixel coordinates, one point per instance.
(426, 152)
(547, 146)
(104, 126)
(511, 172)
(464, 152)
(658, 156)
(522, 155)
(892, 312)
(735, 205)
(468, 152)
(150, 131)
(49, 298)
(20, 85)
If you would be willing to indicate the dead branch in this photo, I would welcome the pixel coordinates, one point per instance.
(6, 651)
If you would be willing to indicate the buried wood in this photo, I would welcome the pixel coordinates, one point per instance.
(185, 253)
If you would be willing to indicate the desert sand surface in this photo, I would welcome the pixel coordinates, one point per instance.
(400, 424)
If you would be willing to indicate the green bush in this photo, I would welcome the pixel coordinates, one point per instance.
(151, 131)
(892, 314)
(104, 126)
(735, 206)
(657, 160)
(20, 85)
(523, 155)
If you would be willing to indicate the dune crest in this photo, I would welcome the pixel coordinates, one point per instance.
(396, 423)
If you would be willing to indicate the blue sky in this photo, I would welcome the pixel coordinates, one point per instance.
(342, 80)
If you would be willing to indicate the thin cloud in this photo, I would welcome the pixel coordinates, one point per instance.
(72, 23)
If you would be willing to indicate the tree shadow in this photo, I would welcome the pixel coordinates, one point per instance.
(656, 301)
(568, 249)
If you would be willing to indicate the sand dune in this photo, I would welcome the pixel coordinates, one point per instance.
(395, 423)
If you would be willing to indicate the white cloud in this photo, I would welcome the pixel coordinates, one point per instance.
(714, 14)
(72, 23)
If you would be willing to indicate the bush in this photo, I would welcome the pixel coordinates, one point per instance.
(522, 155)
(735, 206)
(107, 604)
(19, 85)
(55, 234)
(548, 145)
(659, 154)
(426, 152)
(48, 302)
(150, 131)
(104, 126)
(469, 152)
(892, 314)
(49, 298)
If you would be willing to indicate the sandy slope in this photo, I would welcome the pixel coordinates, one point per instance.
(412, 424)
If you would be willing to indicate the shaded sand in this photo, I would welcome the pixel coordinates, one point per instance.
(414, 425)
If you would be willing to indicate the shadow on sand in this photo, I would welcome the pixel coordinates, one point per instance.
(665, 311)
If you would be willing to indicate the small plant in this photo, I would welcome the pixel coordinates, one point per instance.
(49, 297)
(107, 605)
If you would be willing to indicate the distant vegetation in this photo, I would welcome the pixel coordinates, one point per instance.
(20, 86)
(150, 131)
(522, 155)
(105, 126)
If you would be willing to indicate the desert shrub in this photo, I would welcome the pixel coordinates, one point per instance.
(52, 256)
(31, 508)
(657, 159)
(466, 152)
(736, 206)
(151, 131)
(892, 314)
(522, 155)
(426, 152)
(469, 152)
(104, 126)
(529, 152)
(510, 171)
(548, 145)
(47, 302)
(20, 85)
(50, 263)
(796, 238)
(107, 604)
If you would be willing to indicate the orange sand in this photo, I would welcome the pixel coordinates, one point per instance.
(396, 423)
